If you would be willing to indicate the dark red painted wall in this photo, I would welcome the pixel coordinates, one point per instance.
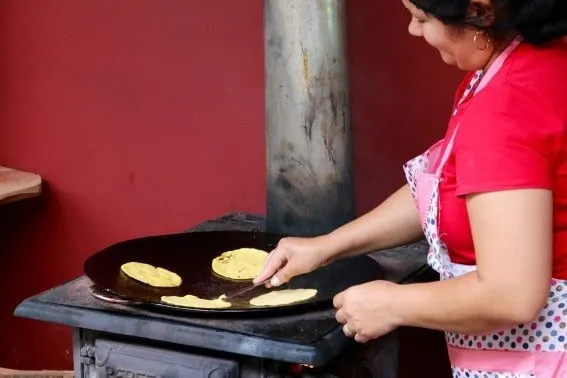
(146, 117)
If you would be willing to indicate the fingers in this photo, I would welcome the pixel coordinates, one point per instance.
(284, 275)
(341, 316)
(338, 300)
(278, 268)
(349, 328)
(274, 261)
(350, 331)
(360, 339)
(284, 263)
(347, 331)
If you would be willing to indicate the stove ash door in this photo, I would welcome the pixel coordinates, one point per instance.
(119, 359)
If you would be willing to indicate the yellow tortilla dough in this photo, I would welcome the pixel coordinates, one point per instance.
(283, 297)
(196, 302)
(240, 264)
(150, 275)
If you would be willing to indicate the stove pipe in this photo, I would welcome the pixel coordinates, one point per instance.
(309, 153)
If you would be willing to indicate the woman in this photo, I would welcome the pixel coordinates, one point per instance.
(491, 200)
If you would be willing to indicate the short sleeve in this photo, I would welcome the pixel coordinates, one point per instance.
(507, 138)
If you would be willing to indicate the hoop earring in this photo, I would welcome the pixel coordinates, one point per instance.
(486, 45)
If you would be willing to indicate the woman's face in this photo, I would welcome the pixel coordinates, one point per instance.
(457, 48)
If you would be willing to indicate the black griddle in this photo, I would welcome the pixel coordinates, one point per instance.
(190, 256)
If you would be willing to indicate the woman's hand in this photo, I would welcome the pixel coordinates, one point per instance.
(367, 310)
(295, 256)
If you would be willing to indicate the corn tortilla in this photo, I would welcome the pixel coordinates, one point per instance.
(240, 264)
(283, 297)
(151, 275)
(196, 302)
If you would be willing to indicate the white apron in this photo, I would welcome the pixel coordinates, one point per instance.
(538, 349)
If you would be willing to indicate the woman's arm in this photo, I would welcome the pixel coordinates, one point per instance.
(512, 233)
(394, 222)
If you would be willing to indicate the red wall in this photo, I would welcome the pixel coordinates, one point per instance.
(146, 117)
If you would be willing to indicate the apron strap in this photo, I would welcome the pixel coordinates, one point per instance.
(498, 63)
(447, 152)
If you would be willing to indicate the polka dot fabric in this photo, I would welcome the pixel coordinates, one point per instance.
(413, 167)
(548, 333)
(469, 89)
(464, 373)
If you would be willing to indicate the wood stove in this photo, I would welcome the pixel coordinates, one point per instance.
(116, 339)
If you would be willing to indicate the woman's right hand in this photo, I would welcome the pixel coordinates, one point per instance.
(294, 256)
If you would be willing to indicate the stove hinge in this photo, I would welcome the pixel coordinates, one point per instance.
(87, 355)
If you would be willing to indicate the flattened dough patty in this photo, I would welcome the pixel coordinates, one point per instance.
(240, 264)
(196, 302)
(151, 275)
(283, 297)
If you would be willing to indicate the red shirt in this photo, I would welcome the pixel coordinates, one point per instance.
(511, 136)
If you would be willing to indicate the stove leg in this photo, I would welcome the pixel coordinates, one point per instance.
(77, 366)
(375, 359)
(83, 353)
(382, 356)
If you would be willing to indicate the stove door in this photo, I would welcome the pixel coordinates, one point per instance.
(119, 359)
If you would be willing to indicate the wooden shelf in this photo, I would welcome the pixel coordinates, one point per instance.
(17, 185)
(8, 373)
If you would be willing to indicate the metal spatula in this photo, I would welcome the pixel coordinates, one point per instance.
(245, 290)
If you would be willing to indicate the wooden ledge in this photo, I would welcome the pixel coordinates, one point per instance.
(8, 373)
(17, 185)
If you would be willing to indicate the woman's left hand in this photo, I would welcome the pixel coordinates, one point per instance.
(367, 310)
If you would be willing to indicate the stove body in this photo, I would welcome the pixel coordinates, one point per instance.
(99, 355)
(112, 339)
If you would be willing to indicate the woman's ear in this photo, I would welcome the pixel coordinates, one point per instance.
(481, 12)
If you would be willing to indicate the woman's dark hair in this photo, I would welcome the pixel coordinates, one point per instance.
(537, 21)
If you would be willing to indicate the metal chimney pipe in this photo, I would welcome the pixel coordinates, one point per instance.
(309, 153)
